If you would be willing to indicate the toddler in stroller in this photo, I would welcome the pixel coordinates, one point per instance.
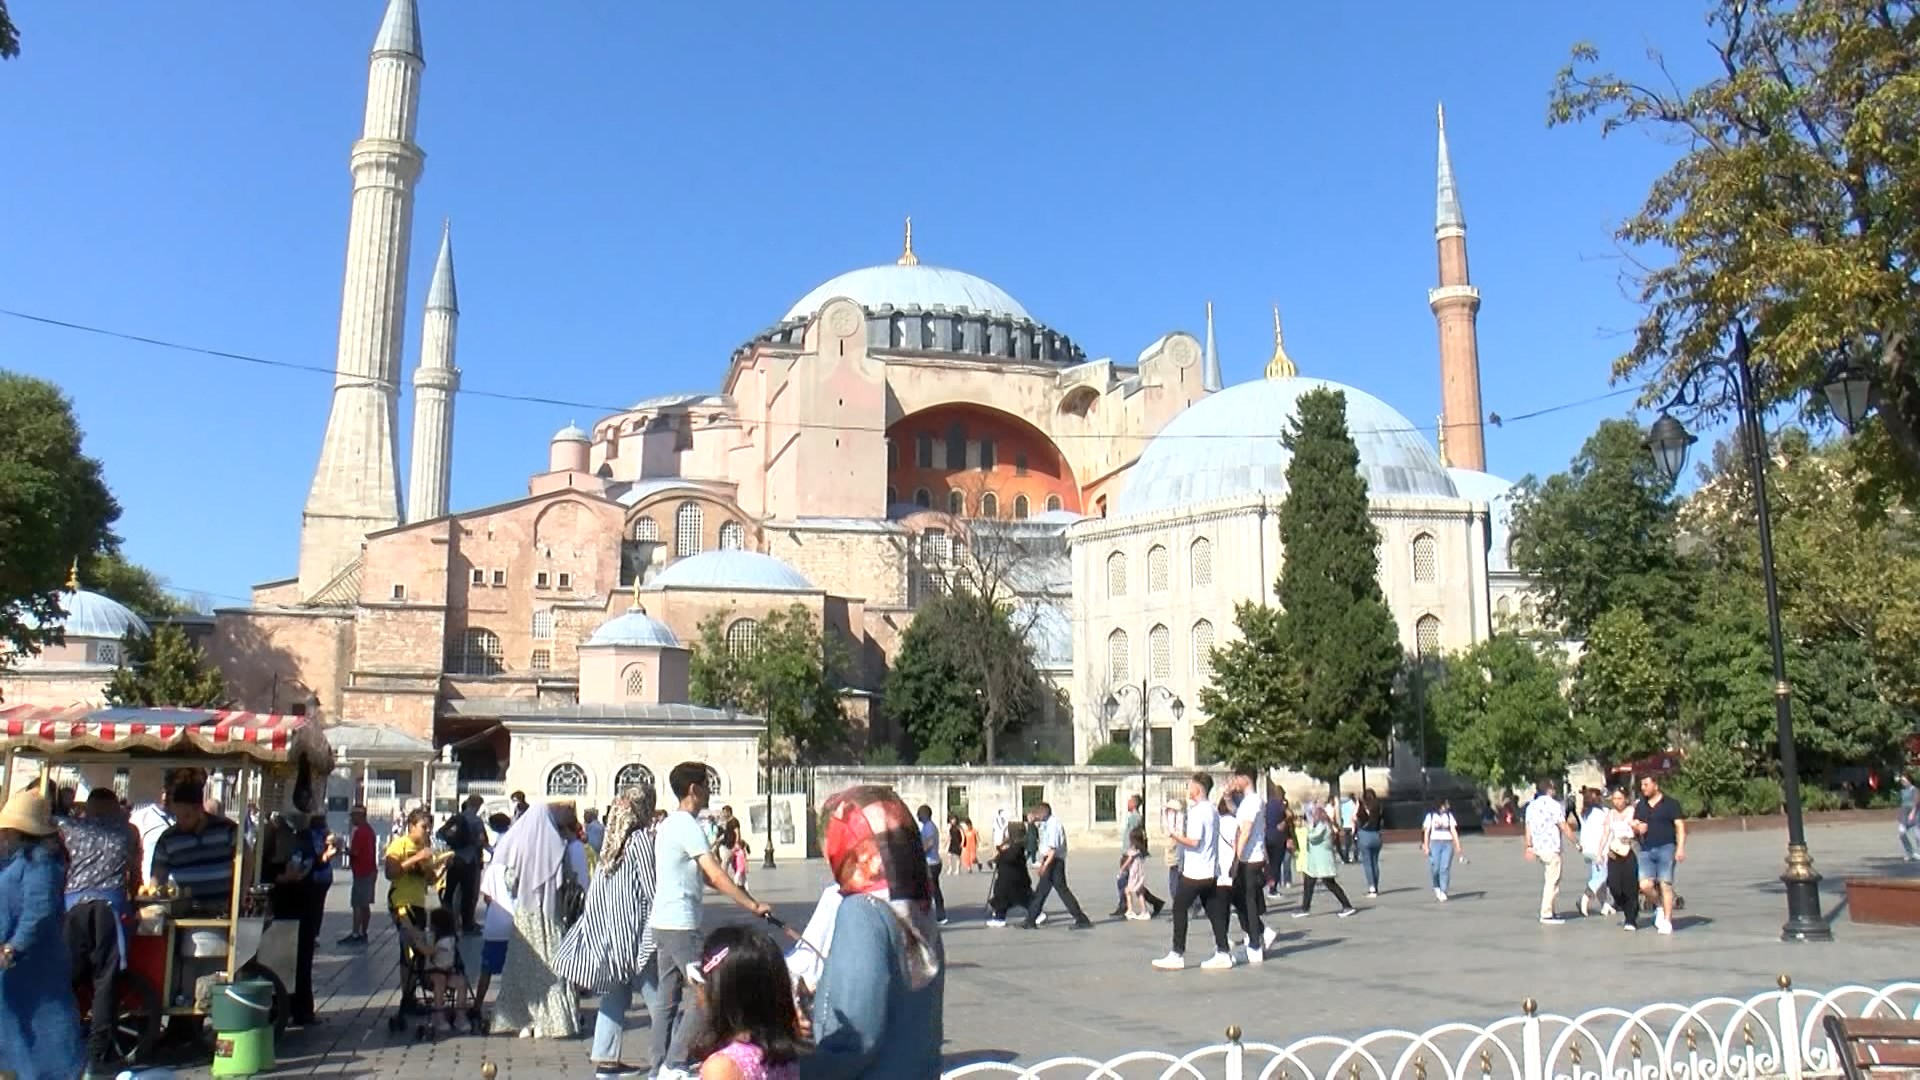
(438, 969)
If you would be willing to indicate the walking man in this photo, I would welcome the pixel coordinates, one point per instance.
(1547, 830)
(1908, 821)
(930, 847)
(1051, 874)
(1199, 841)
(1250, 863)
(1663, 846)
(1136, 819)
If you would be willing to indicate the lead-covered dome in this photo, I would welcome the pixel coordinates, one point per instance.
(732, 570)
(915, 286)
(91, 615)
(1228, 444)
(635, 629)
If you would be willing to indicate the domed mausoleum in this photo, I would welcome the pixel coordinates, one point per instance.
(76, 671)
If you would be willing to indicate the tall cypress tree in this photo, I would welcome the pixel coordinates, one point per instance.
(1334, 623)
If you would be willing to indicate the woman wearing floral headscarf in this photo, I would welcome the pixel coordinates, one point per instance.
(533, 861)
(878, 1008)
(610, 950)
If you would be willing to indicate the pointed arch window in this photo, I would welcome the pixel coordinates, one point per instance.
(1156, 569)
(1119, 657)
(1159, 653)
(1425, 558)
(1020, 507)
(957, 503)
(1200, 563)
(1203, 650)
(732, 536)
(1426, 637)
(1054, 503)
(923, 498)
(1117, 574)
(989, 505)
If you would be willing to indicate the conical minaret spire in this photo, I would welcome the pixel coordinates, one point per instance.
(356, 486)
(1210, 374)
(435, 382)
(1456, 309)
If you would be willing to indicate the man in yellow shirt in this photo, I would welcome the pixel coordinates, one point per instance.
(410, 865)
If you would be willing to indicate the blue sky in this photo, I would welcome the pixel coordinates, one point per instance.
(637, 188)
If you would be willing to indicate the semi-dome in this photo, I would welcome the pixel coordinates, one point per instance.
(732, 570)
(1498, 495)
(910, 286)
(1228, 444)
(91, 615)
(636, 629)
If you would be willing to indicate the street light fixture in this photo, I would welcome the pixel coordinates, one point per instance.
(1177, 707)
(1850, 392)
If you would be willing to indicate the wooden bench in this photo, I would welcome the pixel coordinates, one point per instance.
(1867, 1045)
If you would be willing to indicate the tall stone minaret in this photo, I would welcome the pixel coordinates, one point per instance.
(1210, 374)
(1456, 306)
(435, 382)
(356, 487)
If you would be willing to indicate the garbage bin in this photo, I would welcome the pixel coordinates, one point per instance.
(242, 1018)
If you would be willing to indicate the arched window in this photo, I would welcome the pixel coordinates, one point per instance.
(646, 530)
(713, 781)
(543, 626)
(1200, 563)
(688, 522)
(1203, 650)
(1020, 507)
(631, 778)
(892, 495)
(476, 653)
(1503, 607)
(567, 780)
(989, 505)
(636, 681)
(1425, 557)
(922, 498)
(1156, 569)
(1426, 636)
(1159, 653)
(732, 536)
(1054, 503)
(1117, 574)
(956, 503)
(743, 637)
(1119, 670)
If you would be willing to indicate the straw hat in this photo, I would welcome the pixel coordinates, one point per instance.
(27, 812)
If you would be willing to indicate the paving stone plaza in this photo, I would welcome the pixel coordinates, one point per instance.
(1404, 961)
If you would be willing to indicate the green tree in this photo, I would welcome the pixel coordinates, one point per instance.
(54, 508)
(963, 673)
(1794, 205)
(136, 586)
(166, 669)
(1334, 625)
(1622, 687)
(1506, 723)
(1600, 535)
(1114, 754)
(9, 36)
(1253, 700)
(790, 677)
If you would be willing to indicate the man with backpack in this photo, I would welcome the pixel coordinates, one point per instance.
(467, 839)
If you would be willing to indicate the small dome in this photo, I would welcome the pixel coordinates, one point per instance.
(912, 286)
(634, 628)
(1228, 444)
(732, 570)
(1498, 495)
(91, 615)
(570, 433)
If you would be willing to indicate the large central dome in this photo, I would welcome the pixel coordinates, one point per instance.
(1228, 444)
(912, 286)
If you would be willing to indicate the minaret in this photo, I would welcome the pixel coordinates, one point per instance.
(435, 382)
(356, 487)
(1210, 374)
(1456, 306)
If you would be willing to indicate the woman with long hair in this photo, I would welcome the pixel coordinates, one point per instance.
(751, 1028)
(610, 950)
(535, 863)
(1321, 867)
(1367, 823)
(40, 1036)
(1440, 843)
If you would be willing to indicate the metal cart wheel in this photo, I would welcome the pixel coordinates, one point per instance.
(137, 1017)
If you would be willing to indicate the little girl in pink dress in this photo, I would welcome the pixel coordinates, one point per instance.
(752, 1024)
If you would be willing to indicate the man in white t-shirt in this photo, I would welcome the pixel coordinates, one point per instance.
(1199, 841)
(1546, 829)
(1250, 862)
(684, 865)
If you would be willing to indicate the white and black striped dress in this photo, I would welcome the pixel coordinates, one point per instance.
(613, 941)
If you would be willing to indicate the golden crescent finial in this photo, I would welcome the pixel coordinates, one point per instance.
(636, 590)
(907, 257)
(73, 576)
(1281, 366)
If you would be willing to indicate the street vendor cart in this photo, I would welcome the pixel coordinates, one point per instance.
(180, 950)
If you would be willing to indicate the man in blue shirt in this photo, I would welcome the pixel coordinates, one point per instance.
(1051, 874)
(930, 846)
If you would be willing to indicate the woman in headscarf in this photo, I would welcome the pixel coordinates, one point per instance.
(533, 862)
(610, 950)
(40, 1036)
(878, 1007)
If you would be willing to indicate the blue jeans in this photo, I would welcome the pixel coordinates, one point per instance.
(1656, 864)
(1440, 865)
(611, 1023)
(1368, 841)
(1597, 877)
(679, 1015)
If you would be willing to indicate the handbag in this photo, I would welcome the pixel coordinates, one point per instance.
(570, 899)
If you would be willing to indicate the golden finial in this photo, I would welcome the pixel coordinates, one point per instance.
(907, 257)
(1440, 436)
(1281, 366)
(73, 576)
(636, 592)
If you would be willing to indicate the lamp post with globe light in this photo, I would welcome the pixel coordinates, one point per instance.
(1849, 392)
(1112, 709)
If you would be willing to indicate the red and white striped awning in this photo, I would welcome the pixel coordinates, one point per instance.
(271, 737)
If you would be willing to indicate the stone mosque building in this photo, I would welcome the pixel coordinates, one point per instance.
(844, 455)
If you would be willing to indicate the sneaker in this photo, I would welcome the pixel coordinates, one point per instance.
(1083, 924)
(1255, 956)
(1440, 895)
(1267, 939)
(605, 1070)
(1040, 919)
(1629, 927)
(942, 920)
(350, 939)
(1218, 962)
(1156, 905)
(1551, 920)
(1117, 912)
(996, 924)
(1301, 914)
(1373, 893)
(1346, 913)
(1173, 961)
(673, 1074)
(1663, 928)
(1586, 905)
(1606, 908)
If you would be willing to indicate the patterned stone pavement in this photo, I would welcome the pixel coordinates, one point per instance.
(1405, 961)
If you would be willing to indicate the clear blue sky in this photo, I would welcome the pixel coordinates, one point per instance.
(637, 188)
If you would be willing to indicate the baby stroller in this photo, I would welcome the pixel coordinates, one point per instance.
(434, 976)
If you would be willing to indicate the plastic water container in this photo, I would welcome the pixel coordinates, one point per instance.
(242, 1014)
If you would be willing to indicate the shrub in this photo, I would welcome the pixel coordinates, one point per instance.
(1712, 778)
(1114, 754)
(936, 755)
(883, 754)
(1819, 798)
(1761, 795)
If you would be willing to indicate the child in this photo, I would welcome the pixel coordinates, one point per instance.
(1011, 886)
(1135, 870)
(446, 973)
(739, 867)
(752, 1025)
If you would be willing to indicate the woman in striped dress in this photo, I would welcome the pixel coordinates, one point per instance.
(610, 950)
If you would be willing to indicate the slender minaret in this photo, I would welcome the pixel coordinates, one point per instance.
(435, 382)
(1210, 374)
(356, 487)
(1456, 305)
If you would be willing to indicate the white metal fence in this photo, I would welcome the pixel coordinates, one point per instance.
(1775, 1034)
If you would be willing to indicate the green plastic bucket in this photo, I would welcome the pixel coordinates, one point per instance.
(243, 1053)
(242, 1006)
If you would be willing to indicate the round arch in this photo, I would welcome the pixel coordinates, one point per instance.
(973, 449)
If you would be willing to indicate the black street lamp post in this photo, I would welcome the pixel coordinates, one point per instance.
(1849, 391)
(1175, 706)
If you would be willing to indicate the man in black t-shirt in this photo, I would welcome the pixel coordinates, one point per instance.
(1662, 830)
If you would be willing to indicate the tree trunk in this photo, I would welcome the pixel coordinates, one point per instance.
(1900, 402)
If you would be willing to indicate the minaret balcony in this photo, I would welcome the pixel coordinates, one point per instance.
(1446, 293)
